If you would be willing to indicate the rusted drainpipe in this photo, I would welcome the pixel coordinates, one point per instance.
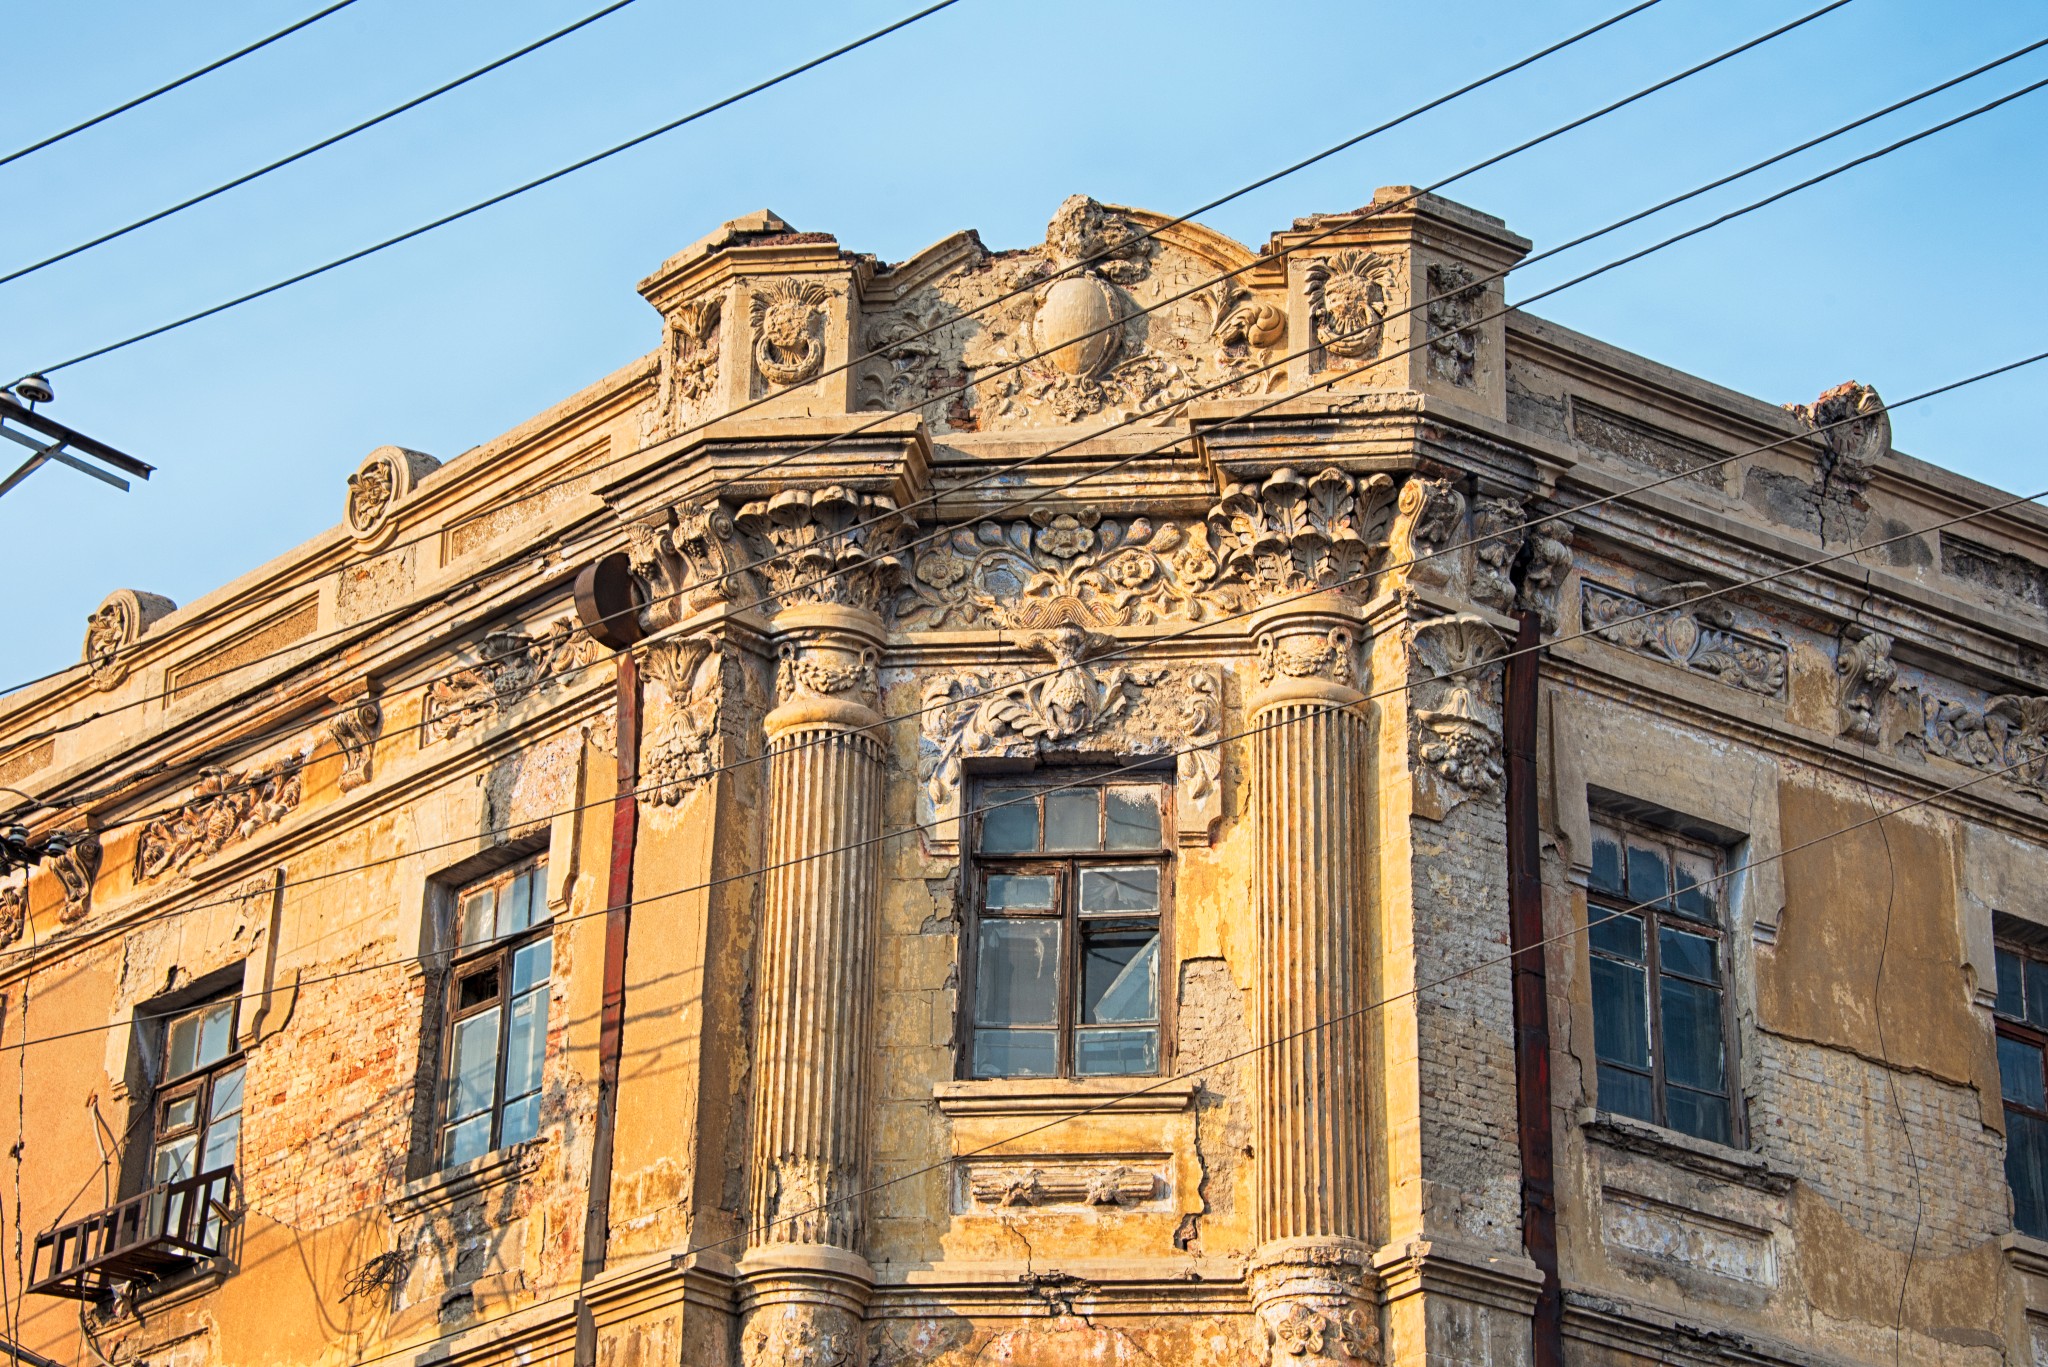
(603, 601)
(1532, 1009)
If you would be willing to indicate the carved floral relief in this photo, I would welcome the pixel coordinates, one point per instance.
(1702, 638)
(1455, 302)
(1293, 534)
(513, 664)
(802, 1335)
(688, 377)
(13, 912)
(685, 736)
(1008, 1185)
(1455, 706)
(2007, 735)
(1074, 707)
(831, 545)
(226, 807)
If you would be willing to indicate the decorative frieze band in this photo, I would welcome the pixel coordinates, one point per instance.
(1701, 638)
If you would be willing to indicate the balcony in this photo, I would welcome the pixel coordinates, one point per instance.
(157, 1234)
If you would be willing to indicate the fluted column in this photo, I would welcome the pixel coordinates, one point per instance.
(804, 1279)
(1311, 750)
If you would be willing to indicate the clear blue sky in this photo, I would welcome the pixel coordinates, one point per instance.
(1921, 268)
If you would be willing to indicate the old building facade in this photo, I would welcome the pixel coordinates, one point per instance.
(977, 811)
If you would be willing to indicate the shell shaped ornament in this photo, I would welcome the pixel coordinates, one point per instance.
(1076, 325)
(789, 322)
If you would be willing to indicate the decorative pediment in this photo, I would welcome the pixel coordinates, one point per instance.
(1061, 333)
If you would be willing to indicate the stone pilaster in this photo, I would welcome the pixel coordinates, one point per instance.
(1311, 1286)
(804, 1279)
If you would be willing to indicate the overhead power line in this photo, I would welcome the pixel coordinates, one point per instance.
(516, 190)
(1041, 495)
(187, 78)
(1340, 224)
(1149, 762)
(324, 143)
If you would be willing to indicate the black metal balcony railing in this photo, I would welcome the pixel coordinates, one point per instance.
(160, 1232)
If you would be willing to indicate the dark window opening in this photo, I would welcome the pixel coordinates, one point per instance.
(2023, 1081)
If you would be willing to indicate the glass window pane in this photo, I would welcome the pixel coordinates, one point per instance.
(227, 1094)
(530, 963)
(1625, 1093)
(1606, 863)
(473, 1070)
(522, 1120)
(180, 1114)
(1017, 973)
(220, 1144)
(1697, 1114)
(470, 1139)
(1126, 887)
(182, 1053)
(2009, 985)
(174, 1159)
(1621, 1013)
(515, 908)
(1016, 1053)
(2037, 993)
(1021, 891)
(1009, 821)
(1131, 819)
(478, 986)
(2019, 1073)
(476, 917)
(2026, 1172)
(1693, 1044)
(527, 1044)
(1112, 1053)
(1698, 895)
(1691, 956)
(1119, 975)
(1612, 934)
(216, 1033)
(1073, 820)
(1649, 880)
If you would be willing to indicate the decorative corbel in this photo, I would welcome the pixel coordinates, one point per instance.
(1864, 673)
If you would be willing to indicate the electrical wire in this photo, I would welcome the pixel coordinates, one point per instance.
(551, 486)
(1038, 496)
(324, 143)
(214, 65)
(504, 195)
(1147, 764)
(999, 473)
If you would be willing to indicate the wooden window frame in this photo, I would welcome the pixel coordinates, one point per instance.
(1066, 865)
(197, 1083)
(2019, 1029)
(464, 963)
(1600, 903)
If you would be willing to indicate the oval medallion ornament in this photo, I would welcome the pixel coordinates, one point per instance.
(1076, 325)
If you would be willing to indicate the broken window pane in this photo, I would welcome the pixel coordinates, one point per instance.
(1128, 887)
(1698, 893)
(1119, 975)
(476, 917)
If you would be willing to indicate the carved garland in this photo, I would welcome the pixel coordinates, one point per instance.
(1703, 638)
(514, 665)
(226, 807)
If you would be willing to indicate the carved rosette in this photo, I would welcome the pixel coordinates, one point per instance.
(1311, 1309)
(1864, 673)
(789, 331)
(1455, 710)
(1292, 535)
(114, 628)
(1350, 295)
(383, 481)
(354, 731)
(1077, 706)
(1855, 430)
(75, 859)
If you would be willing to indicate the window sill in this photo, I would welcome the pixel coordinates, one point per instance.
(444, 1188)
(1050, 1096)
(2026, 1254)
(1702, 1156)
